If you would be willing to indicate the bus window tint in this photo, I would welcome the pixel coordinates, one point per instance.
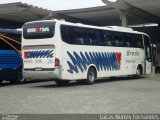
(148, 48)
(66, 34)
(138, 41)
(102, 39)
(89, 36)
(92, 37)
(38, 30)
(80, 36)
(105, 38)
(16, 37)
(4, 45)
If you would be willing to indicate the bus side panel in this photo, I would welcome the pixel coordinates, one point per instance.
(10, 64)
(73, 73)
(109, 62)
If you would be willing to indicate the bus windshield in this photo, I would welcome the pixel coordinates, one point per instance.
(38, 30)
(10, 39)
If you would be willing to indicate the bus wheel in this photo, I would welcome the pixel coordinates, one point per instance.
(1, 81)
(62, 82)
(138, 72)
(91, 76)
(19, 79)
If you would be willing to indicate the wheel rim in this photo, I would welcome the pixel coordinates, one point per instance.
(91, 76)
(138, 72)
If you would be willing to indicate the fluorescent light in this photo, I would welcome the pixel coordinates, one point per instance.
(112, 0)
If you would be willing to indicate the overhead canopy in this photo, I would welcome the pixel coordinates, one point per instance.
(16, 14)
(146, 9)
(103, 15)
(138, 12)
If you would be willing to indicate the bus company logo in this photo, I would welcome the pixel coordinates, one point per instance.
(131, 53)
(38, 54)
(118, 57)
(107, 61)
(37, 30)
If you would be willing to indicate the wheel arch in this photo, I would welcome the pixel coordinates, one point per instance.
(94, 67)
(141, 67)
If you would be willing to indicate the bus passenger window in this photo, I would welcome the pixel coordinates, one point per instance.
(80, 36)
(92, 38)
(79, 41)
(138, 44)
(108, 43)
(66, 34)
(101, 41)
(128, 44)
(121, 44)
(116, 43)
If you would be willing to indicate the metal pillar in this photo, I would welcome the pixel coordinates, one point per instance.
(124, 18)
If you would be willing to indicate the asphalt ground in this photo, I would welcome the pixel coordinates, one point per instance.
(119, 95)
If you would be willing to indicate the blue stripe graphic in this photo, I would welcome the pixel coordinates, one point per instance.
(102, 60)
(10, 59)
(40, 54)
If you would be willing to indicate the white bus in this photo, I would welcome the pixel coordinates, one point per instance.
(64, 51)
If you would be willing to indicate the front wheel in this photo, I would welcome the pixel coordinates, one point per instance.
(91, 76)
(138, 72)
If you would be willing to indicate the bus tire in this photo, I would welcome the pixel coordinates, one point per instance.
(138, 72)
(62, 82)
(19, 79)
(91, 76)
(1, 81)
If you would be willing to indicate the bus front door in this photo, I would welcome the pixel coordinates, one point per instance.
(148, 55)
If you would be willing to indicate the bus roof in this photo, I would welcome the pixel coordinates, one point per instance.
(111, 28)
(15, 31)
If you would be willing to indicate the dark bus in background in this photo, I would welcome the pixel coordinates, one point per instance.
(10, 55)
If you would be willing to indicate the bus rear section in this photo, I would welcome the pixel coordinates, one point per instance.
(10, 55)
(39, 51)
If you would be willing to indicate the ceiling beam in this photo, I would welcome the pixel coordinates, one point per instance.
(124, 5)
(74, 19)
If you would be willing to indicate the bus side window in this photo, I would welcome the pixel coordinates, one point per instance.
(92, 37)
(80, 36)
(79, 41)
(101, 41)
(127, 44)
(109, 39)
(121, 40)
(5, 46)
(115, 43)
(109, 43)
(66, 34)
(115, 40)
(128, 40)
(104, 38)
(138, 41)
